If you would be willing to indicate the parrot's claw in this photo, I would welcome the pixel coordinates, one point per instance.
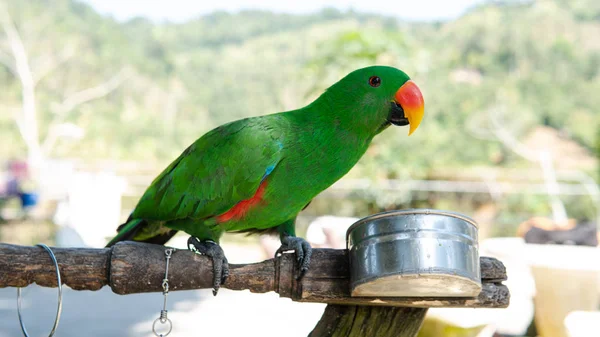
(215, 252)
(303, 252)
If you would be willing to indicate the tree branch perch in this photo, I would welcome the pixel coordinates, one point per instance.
(131, 267)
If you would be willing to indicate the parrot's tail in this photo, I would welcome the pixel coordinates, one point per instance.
(128, 231)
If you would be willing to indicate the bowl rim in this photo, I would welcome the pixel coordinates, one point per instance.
(410, 211)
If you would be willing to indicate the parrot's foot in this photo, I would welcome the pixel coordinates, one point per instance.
(301, 247)
(215, 252)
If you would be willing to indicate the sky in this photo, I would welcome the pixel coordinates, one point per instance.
(181, 10)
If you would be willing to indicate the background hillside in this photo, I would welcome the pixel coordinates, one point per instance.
(529, 69)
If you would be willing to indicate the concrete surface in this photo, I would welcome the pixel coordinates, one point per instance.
(193, 313)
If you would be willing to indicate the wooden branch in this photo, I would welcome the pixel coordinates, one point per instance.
(358, 321)
(61, 110)
(49, 64)
(8, 62)
(89, 94)
(131, 267)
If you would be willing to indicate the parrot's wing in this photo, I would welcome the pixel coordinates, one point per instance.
(220, 169)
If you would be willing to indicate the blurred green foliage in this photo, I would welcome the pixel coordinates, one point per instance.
(538, 62)
(192, 76)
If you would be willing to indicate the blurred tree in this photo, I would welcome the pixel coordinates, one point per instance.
(183, 79)
(598, 150)
(29, 74)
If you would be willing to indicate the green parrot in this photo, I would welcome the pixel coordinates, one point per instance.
(256, 174)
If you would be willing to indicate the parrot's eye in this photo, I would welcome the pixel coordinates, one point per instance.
(374, 81)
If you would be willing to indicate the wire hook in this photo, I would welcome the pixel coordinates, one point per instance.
(59, 308)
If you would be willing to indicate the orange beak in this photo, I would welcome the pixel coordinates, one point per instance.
(409, 97)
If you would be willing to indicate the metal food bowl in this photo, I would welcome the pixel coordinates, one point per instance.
(414, 253)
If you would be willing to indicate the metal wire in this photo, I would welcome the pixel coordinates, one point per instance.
(163, 319)
(59, 308)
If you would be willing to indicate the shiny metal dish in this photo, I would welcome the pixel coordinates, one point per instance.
(414, 253)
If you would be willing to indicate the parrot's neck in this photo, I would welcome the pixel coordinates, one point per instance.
(339, 115)
(329, 141)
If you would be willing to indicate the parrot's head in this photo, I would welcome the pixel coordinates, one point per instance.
(377, 96)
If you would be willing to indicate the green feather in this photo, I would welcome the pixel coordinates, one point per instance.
(125, 230)
(296, 153)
